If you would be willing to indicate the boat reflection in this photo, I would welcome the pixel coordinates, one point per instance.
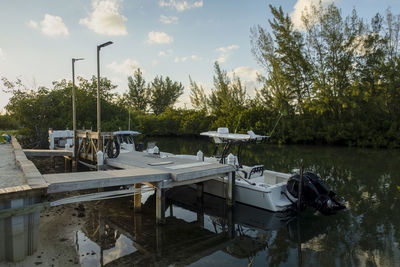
(194, 229)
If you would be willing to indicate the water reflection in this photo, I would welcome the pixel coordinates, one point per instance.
(368, 233)
(196, 231)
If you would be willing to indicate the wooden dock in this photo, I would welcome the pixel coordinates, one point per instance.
(134, 168)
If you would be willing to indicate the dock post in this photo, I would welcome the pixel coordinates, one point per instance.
(230, 201)
(15, 250)
(160, 204)
(199, 191)
(137, 199)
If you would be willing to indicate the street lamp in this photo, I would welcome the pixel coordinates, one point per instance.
(74, 110)
(100, 143)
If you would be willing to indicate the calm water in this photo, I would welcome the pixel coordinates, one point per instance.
(208, 234)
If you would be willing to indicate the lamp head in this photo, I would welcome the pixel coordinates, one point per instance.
(104, 44)
(76, 59)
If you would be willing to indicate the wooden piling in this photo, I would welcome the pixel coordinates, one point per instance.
(230, 201)
(160, 205)
(137, 199)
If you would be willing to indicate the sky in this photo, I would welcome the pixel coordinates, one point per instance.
(175, 38)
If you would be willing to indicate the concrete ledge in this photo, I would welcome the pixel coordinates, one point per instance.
(32, 175)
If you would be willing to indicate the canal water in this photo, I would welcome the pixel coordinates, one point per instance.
(206, 233)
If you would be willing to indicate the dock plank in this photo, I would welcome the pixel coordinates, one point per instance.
(63, 182)
(181, 169)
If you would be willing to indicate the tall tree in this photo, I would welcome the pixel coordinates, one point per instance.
(228, 94)
(198, 98)
(164, 93)
(137, 96)
(282, 56)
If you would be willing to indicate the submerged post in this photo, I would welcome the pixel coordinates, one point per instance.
(300, 188)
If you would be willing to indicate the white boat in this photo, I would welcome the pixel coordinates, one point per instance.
(126, 140)
(266, 189)
(254, 186)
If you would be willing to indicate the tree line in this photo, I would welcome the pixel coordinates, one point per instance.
(336, 79)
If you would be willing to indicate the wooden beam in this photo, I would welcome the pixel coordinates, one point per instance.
(47, 153)
(63, 182)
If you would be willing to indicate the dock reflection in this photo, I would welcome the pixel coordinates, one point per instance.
(194, 229)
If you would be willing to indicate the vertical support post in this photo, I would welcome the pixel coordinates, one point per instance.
(230, 222)
(199, 191)
(137, 199)
(230, 201)
(200, 207)
(160, 204)
(15, 250)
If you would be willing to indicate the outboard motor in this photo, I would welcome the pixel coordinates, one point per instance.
(315, 193)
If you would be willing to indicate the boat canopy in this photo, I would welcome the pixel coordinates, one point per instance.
(126, 132)
(222, 135)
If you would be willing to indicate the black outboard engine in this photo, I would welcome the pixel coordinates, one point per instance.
(315, 193)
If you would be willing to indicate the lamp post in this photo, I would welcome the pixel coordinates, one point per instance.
(100, 142)
(74, 162)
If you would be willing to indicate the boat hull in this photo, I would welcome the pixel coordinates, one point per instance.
(268, 197)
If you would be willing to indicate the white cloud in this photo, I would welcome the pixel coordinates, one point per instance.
(154, 62)
(33, 24)
(225, 52)
(105, 18)
(245, 73)
(50, 25)
(180, 59)
(127, 67)
(299, 9)
(227, 48)
(165, 53)
(248, 77)
(159, 38)
(181, 5)
(169, 20)
(183, 59)
(196, 58)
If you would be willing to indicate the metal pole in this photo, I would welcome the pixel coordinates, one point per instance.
(73, 97)
(99, 141)
(76, 143)
(74, 161)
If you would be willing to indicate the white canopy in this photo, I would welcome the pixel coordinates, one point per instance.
(223, 135)
(126, 132)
